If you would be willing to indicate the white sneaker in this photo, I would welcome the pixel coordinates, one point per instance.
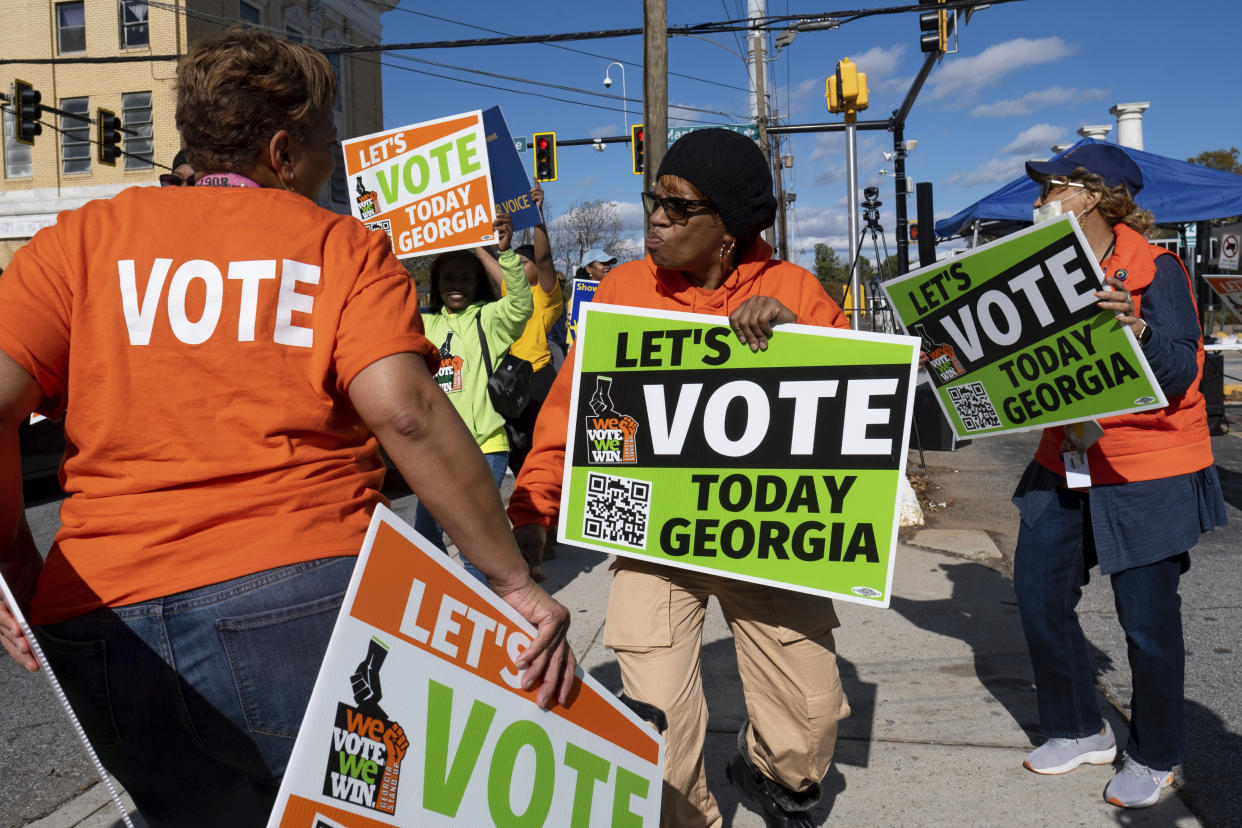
(1136, 785)
(1063, 755)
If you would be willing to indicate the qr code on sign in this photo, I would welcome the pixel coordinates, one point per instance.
(616, 510)
(973, 407)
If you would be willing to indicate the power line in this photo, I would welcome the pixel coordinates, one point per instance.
(571, 49)
(552, 85)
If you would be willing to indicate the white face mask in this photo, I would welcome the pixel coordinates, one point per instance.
(1052, 209)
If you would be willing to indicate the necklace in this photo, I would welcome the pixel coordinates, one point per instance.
(1109, 251)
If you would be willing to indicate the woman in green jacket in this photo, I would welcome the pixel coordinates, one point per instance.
(462, 310)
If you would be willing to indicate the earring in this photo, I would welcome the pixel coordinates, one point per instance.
(726, 250)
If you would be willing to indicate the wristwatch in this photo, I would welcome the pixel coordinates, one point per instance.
(1145, 335)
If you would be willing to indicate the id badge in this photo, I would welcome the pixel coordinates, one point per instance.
(1077, 472)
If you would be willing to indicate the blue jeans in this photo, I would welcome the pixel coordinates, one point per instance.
(1051, 566)
(193, 701)
(426, 525)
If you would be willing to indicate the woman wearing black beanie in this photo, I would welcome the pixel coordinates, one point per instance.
(712, 200)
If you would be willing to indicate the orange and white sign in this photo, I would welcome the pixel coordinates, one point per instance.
(418, 716)
(427, 185)
(1229, 289)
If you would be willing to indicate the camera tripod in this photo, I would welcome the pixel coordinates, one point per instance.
(879, 315)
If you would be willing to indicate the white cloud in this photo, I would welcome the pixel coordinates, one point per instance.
(995, 171)
(607, 130)
(1038, 99)
(680, 115)
(962, 77)
(878, 63)
(1034, 140)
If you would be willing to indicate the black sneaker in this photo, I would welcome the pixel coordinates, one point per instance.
(781, 807)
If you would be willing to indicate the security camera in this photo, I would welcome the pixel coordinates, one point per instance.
(607, 82)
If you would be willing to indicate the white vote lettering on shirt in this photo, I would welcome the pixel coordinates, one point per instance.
(140, 316)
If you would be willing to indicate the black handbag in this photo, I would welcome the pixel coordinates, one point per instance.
(509, 385)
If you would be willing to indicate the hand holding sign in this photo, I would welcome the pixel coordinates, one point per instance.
(548, 661)
(503, 228)
(530, 539)
(754, 318)
(536, 197)
(15, 644)
(1119, 300)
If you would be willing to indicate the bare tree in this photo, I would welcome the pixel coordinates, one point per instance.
(585, 226)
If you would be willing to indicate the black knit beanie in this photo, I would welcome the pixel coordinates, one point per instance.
(728, 168)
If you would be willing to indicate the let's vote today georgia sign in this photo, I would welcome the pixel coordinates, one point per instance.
(780, 467)
(427, 185)
(1015, 339)
(418, 717)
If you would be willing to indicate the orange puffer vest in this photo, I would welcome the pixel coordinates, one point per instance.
(1153, 444)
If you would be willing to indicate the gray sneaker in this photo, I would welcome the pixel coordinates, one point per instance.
(1063, 755)
(1136, 785)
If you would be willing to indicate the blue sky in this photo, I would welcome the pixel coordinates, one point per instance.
(1027, 76)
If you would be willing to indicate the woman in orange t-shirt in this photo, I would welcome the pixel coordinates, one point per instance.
(235, 356)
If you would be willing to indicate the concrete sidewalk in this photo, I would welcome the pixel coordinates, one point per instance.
(940, 686)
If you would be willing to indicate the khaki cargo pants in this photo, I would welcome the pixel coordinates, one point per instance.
(787, 662)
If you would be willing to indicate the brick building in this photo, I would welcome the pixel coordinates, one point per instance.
(140, 40)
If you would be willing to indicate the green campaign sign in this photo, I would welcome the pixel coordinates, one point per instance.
(780, 467)
(1015, 339)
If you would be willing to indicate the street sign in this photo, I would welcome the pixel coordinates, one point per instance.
(1229, 252)
(519, 143)
(751, 131)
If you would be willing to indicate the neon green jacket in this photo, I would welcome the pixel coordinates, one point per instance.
(462, 374)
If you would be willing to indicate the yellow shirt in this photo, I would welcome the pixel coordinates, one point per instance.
(532, 345)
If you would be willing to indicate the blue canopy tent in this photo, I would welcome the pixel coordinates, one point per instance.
(1176, 192)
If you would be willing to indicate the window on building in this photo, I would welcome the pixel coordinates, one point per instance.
(249, 14)
(134, 30)
(340, 191)
(75, 135)
(293, 34)
(335, 61)
(17, 155)
(136, 116)
(70, 27)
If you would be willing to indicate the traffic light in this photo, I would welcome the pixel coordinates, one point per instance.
(545, 156)
(846, 90)
(27, 99)
(934, 27)
(107, 136)
(638, 152)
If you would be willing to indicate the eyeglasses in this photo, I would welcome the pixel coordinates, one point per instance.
(174, 180)
(675, 208)
(1048, 185)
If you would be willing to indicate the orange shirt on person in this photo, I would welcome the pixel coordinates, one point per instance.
(200, 342)
(641, 284)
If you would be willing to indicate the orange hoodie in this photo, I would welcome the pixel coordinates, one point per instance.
(643, 285)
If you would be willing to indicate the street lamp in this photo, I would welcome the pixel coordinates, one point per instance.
(608, 82)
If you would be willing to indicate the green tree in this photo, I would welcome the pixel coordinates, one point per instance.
(1220, 159)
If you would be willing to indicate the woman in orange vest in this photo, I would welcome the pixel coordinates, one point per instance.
(1152, 490)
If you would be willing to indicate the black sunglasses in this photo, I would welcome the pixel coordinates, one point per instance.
(174, 180)
(675, 208)
(1049, 184)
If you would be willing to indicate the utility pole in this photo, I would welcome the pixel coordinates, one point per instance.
(655, 88)
(782, 233)
(757, 10)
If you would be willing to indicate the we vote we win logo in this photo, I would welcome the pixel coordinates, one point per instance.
(612, 437)
(364, 757)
